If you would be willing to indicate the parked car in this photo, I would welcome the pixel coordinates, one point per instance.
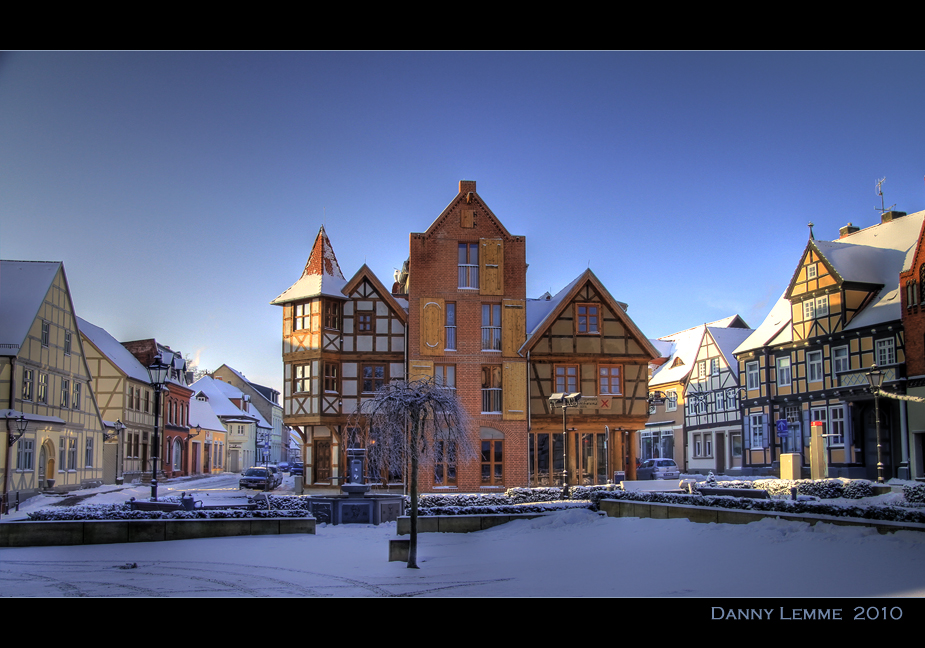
(297, 468)
(277, 476)
(257, 478)
(283, 466)
(658, 469)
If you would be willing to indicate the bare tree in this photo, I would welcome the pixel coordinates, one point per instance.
(410, 423)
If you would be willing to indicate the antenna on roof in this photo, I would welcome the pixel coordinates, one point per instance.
(880, 193)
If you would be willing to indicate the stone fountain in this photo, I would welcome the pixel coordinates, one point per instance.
(356, 505)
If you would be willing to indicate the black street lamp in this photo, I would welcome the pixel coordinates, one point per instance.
(158, 373)
(15, 434)
(875, 378)
(565, 401)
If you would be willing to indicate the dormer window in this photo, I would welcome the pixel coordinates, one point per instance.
(811, 271)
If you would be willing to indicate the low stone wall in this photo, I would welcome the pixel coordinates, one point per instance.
(79, 532)
(460, 523)
(706, 514)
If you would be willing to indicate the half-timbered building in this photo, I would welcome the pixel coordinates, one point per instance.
(665, 433)
(583, 340)
(712, 418)
(342, 340)
(44, 377)
(807, 362)
(124, 393)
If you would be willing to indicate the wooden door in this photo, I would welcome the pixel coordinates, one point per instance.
(321, 458)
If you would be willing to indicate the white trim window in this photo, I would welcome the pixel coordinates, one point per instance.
(72, 454)
(811, 271)
(840, 359)
(714, 366)
(814, 366)
(751, 375)
(822, 306)
(757, 437)
(671, 401)
(809, 309)
(783, 371)
(88, 453)
(719, 401)
(886, 352)
(837, 425)
(25, 455)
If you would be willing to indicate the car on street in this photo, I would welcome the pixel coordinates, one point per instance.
(297, 468)
(658, 469)
(283, 466)
(257, 478)
(277, 475)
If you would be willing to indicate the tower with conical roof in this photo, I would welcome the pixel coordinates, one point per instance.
(342, 339)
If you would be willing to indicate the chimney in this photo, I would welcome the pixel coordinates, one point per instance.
(466, 186)
(888, 216)
(846, 230)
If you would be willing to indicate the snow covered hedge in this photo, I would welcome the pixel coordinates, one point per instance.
(884, 513)
(821, 488)
(280, 507)
(914, 493)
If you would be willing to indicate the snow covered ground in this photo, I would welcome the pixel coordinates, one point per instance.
(574, 553)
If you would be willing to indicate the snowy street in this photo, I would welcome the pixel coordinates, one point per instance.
(573, 553)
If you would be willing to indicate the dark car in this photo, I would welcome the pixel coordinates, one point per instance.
(283, 466)
(257, 478)
(298, 468)
(658, 469)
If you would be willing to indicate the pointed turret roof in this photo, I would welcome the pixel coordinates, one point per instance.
(322, 275)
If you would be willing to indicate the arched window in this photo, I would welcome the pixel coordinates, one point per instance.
(177, 454)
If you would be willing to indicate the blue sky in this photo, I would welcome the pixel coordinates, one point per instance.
(183, 191)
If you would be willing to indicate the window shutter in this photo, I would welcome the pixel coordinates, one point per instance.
(514, 389)
(467, 218)
(420, 369)
(747, 426)
(432, 326)
(491, 260)
(513, 327)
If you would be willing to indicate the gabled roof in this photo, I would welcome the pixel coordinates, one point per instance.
(202, 414)
(366, 273)
(727, 339)
(541, 313)
(220, 401)
(110, 347)
(874, 256)
(263, 391)
(23, 287)
(321, 276)
(681, 348)
(469, 197)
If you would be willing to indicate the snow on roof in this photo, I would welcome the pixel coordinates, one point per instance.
(874, 255)
(685, 345)
(23, 286)
(321, 276)
(219, 399)
(113, 349)
(727, 339)
(202, 414)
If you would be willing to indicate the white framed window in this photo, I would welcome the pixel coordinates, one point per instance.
(714, 366)
(822, 306)
(840, 360)
(28, 377)
(702, 369)
(45, 333)
(177, 453)
(837, 425)
(756, 431)
(719, 401)
(88, 453)
(698, 445)
(809, 309)
(671, 401)
(751, 375)
(784, 375)
(708, 444)
(72, 453)
(65, 393)
(75, 402)
(886, 352)
(67, 343)
(814, 366)
(25, 454)
(811, 271)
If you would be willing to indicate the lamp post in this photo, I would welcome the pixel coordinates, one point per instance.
(875, 378)
(158, 373)
(14, 434)
(565, 401)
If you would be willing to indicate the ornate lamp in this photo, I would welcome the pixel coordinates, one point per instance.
(875, 378)
(157, 371)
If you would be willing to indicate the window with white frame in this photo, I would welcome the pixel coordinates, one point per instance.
(702, 369)
(671, 401)
(28, 377)
(707, 444)
(88, 453)
(822, 306)
(783, 372)
(25, 454)
(75, 402)
(42, 395)
(814, 366)
(811, 271)
(837, 425)
(751, 375)
(67, 343)
(756, 431)
(840, 359)
(72, 453)
(714, 366)
(65, 393)
(719, 401)
(698, 445)
(886, 352)
(809, 309)
(45, 333)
